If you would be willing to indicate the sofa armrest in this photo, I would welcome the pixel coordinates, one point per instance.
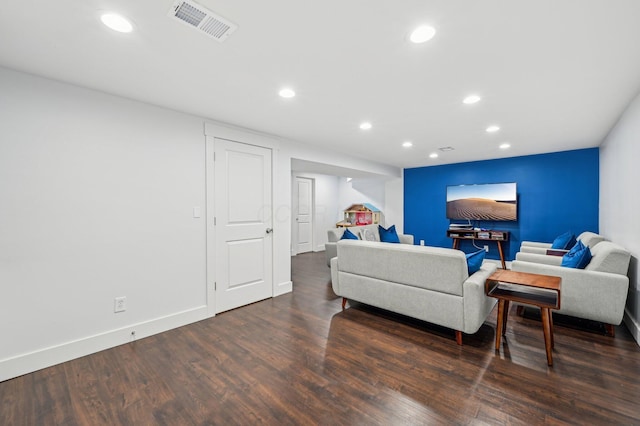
(405, 238)
(533, 249)
(334, 275)
(594, 295)
(330, 251)
(539, 258)
(477, 305)
(534, 244)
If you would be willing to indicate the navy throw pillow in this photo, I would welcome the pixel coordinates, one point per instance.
(474, 261)
(348, 235)
(563, 241)
(578, 259)
(388, 235)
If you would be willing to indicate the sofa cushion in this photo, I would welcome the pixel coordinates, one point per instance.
(388, 235)
(348, 235)
(564, 241)
(474, 261)
(578, 258)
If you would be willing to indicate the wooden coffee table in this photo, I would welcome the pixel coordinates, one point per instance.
(542, 291)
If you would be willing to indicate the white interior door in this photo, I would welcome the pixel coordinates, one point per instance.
(303, 208)
(243, 224)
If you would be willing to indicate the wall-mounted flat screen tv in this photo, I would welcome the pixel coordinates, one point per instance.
(491, 201)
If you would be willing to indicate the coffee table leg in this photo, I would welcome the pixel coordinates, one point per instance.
(548, 337)
(499, 322)
(504, 317)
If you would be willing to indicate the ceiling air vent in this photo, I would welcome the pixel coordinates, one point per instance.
(203, 19)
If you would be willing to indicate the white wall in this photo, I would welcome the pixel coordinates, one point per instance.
(394, 203)
(96, 201)
(619, 203)
(97, 196)
(384, 193)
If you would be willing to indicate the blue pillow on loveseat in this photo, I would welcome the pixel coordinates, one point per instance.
(474, 261)
(348, 235)
(388, 235)
(564, 241)
(578, 257)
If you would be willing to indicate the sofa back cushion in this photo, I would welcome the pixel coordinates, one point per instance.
(438, 269)
(609, 257)
(590, 239)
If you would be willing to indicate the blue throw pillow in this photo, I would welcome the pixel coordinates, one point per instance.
(576, 247)
(348, 235)
(388, 235)
(474, 261)
(563, 241)
(578, 259)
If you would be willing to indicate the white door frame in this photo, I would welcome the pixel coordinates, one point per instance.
(211, 132)
(294, 203)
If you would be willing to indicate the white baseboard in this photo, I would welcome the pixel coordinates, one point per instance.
(283, 288)
(37, 360)
(632, 325)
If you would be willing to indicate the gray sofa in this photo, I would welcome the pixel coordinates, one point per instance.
(428, 283)
(589, 239)
(334, 235)
(598, 292)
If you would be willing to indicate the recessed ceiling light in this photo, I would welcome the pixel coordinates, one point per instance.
(407, 144)
(471, 99)
(365, 126)
(422, 34)
(493, 129)
(287, 93)
(505, 146)
(117, 22)
(433, 155)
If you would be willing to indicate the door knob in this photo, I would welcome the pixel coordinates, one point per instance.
(269, 230)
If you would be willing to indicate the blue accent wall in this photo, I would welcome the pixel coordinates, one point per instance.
(557, 192)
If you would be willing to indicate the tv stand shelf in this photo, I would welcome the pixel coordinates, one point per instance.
(484, 235)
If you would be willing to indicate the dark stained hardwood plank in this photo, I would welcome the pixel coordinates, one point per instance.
(300, 359)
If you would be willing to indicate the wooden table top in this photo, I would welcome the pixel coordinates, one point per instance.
(524, 278)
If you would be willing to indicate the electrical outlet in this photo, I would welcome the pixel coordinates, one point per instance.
(120, 304)
(486, 248)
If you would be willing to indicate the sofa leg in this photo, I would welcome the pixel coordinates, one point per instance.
(610, 329)
(459, 337)
(344, 302)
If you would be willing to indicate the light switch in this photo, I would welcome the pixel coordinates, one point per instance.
(196, 212)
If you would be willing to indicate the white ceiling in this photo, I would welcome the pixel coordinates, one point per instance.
(554, 74)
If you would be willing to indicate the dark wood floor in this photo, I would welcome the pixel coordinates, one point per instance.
(299, 359)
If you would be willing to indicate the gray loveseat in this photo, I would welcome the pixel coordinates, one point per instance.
(598, 292)
(428, 283)
(334, 235)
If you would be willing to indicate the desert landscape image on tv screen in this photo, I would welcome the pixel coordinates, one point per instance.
(496, 201)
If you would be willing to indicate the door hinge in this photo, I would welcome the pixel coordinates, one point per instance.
(214, 221)
(215, 286)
